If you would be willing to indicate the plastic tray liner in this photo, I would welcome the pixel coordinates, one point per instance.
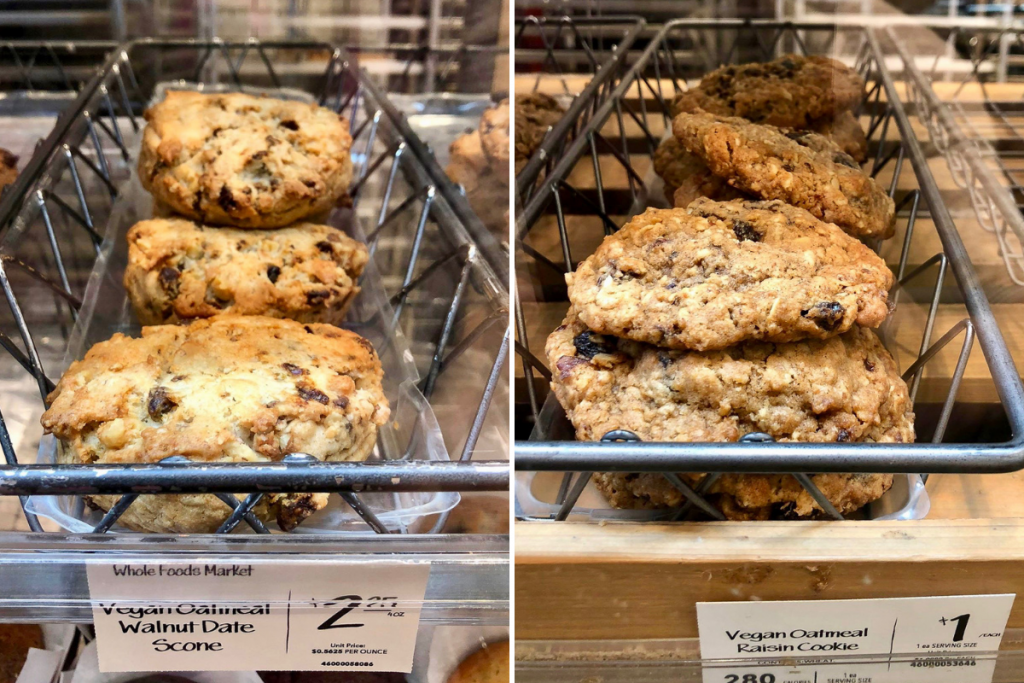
(412, 432)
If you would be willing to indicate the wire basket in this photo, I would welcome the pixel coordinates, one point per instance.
(577, 61)
(573, 210)
(446, 298)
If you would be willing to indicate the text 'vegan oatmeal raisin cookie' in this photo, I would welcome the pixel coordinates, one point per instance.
(802, 169)
(718, 274)
(843, 389)
(244, 161)
(223, 389)
(179, 270)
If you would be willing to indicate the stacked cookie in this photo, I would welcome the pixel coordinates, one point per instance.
(241, 361)
(478, 161)
(748, 307)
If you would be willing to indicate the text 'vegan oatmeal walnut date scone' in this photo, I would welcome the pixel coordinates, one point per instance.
(179, 270)
(223, 389)
(805, 170)
(244, 161)
(721, 273)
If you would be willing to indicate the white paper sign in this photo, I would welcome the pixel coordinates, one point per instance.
(244, 616)
(824, 628)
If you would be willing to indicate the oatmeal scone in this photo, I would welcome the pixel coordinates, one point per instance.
(223, 389)
(494, 137)
(845, 388)
(244, 161)
(179, 270)
(720, 273)
(792, 91)
(686, 177)
(808, 171)
(535, 113)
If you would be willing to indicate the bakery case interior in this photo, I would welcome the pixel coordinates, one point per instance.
(321, 343)
(700, 414)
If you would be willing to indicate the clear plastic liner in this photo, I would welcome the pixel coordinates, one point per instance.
(411, 434)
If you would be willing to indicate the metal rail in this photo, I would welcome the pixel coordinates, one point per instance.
(68, 185)
(646, 81)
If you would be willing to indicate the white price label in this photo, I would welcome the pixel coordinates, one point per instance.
(823, 628)
(245, 616)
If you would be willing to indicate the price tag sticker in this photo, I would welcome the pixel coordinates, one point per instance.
(896, 639)
(244, 616)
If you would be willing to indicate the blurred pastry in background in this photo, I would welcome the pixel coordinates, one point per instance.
(15, 641)
(8, 168)
(535, 114)
(489, 664)
(478, 161)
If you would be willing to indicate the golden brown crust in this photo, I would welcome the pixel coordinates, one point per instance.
(243, 161)
(179, 270)
(229, 388)
(802, 169)
(489, 664)
(15, 641)
(721, 273)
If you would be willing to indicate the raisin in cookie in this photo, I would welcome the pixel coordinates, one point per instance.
(243, 161)
(845, 388)
(179, 270)
(535, 114)
(494, 130)
(224, 389)
(721, 273)
(686, 177)
(808, 171)
(791, 91)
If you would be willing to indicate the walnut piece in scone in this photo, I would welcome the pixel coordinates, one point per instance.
(244, 161)
(799, 168)
(721, 273)
(223, 389)
(179, 270)
(842, 389)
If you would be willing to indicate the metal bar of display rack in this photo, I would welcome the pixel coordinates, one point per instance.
(75, 175)
(688, 49)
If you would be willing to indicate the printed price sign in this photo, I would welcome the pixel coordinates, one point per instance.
(294, 616)
(959, 627)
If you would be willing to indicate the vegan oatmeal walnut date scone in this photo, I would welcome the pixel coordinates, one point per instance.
(807, 170)
(535, 113)
(721, 273)
(686, 177)
(792, 91)
(244, 161)
(179, 270)
(223, 389)
(845, 388)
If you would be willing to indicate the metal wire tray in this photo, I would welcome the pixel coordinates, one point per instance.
(981, 156)
(447, 298)
(562, 47)
(687, 49)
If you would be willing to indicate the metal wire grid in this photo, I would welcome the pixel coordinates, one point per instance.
(982, 142)
(708, 44)
(55, 211)
(563, 47)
